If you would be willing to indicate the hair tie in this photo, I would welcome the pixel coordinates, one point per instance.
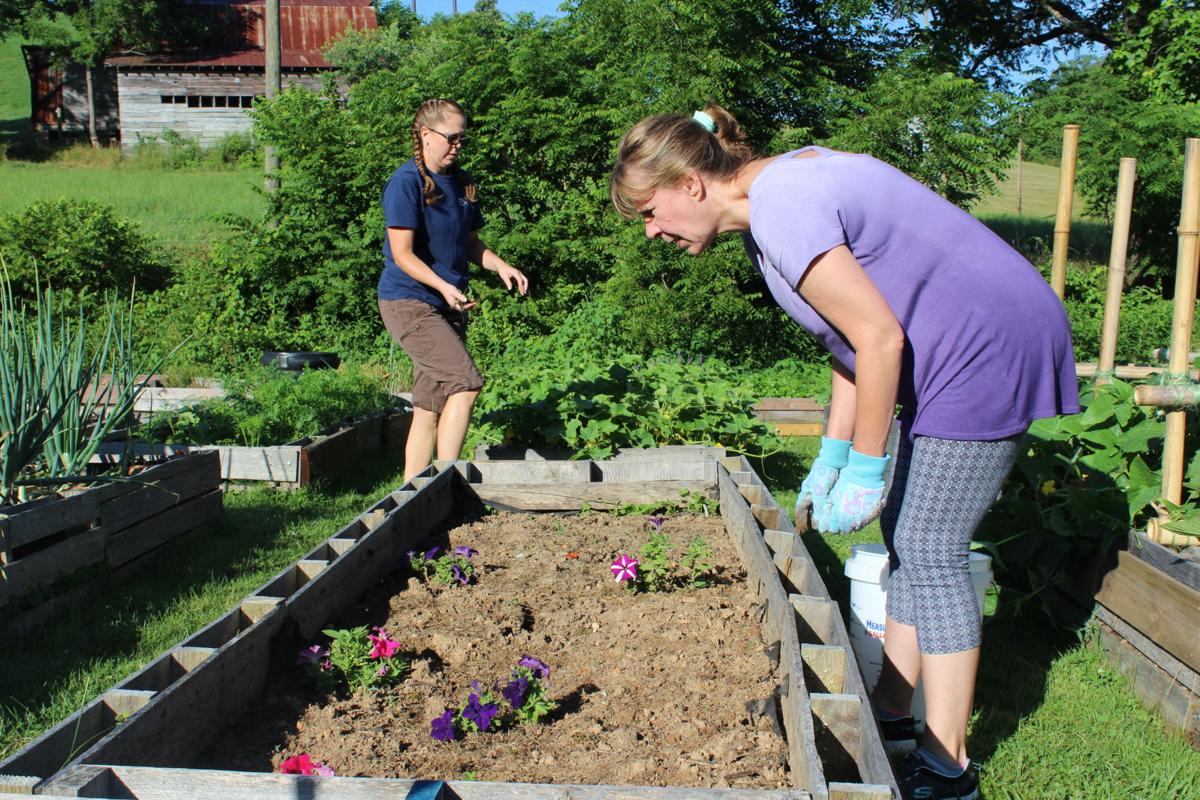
(705, 121)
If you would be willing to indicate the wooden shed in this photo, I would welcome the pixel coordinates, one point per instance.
(199, 94)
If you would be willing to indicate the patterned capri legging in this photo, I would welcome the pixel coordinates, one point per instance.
(941, 488)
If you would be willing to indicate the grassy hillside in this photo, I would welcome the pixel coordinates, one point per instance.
(14, 91)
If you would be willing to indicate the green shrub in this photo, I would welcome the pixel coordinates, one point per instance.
(80, 246)
(268, 407)
(1145, 321)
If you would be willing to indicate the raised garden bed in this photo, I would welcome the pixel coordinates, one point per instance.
(108, 527)
(137, 739)
(1149, 612)
(327, 455)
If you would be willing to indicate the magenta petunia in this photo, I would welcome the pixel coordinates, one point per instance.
(303, 764)
(311, 655)
(624, 568)
(382, 646)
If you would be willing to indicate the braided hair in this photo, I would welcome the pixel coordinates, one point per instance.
(430, 114)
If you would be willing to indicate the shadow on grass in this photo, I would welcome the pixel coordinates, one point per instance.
(51, 669)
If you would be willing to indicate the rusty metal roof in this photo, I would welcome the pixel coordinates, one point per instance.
(305, 27)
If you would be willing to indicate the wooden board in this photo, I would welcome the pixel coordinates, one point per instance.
(138, 539)
(147, 783)
(1162, 683)
(1184, 570)
(574, 496)
(1160, 607)
(31, 522)
(278, 464)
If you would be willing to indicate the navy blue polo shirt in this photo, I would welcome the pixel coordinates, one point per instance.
(439, 234)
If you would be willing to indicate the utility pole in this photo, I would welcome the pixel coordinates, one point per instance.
(274, 86)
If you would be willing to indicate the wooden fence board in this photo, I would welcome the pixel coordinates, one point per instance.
(169, 487)
(46, 566)
(330, 457)
(644, 470)
(1184, 570)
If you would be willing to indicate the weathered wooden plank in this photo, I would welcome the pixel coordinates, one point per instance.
(1184, 570)
(799, 428)
(138, 539)
(160, 489)
(58, 746)
(527, 472)
(859, 791)
(149, 783)
(629, 470)
(775, 621)
(755, 495)
(789, 415)
(670, 452)
(27, 523)
(395, 429)
(370, 432)
(824, 667)
(45, 566)
(769, 516)
(1162, 608)
(837, 717)
(498, 452)
(789, 404)
(329, 458)
(800, 574)
(573, 496)
(1169, 692)
(814, 619)
(279, 464)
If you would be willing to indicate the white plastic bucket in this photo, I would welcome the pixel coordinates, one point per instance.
(867, 569)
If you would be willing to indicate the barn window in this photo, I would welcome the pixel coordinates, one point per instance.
(206, 101)
(166, 98)
(247, 101)
(193, 101)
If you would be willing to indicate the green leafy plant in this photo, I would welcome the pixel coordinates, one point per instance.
(1079, 484)
(451, 568)
(654, 566)
(697, 563)
(355, 659)
(51, 424)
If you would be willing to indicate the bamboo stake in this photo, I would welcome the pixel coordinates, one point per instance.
(1020, 147)
(1181, 324)
(1170, 396)
(1062, 221)
(1116, 267)
(1155, 532)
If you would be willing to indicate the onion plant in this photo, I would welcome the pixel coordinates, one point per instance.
(50, 424)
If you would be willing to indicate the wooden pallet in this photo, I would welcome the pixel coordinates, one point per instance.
(129, 742)
(326, 455)
(108, 526)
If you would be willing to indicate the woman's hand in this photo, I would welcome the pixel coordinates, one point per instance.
(456, 300)
(513, 277)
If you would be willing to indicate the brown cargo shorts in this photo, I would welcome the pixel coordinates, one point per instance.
(436, 341)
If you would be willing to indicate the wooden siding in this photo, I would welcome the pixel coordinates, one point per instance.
(144, 115)
(58, 95)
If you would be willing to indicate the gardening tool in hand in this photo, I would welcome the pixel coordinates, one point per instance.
(822, 476)
(857, 497)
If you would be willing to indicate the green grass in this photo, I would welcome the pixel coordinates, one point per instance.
(178, 206)
(1052, 718)
(14, 93)
(48, 674)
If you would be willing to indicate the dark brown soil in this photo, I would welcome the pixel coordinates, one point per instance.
(666, 689)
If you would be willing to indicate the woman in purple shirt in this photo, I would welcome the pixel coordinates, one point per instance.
(921, 306)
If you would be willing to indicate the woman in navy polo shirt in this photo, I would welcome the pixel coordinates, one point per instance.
(429, 205)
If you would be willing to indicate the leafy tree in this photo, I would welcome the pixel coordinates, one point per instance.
(939, 128)
(988, 39)
(88, 31)
(1164, 53)
(1119, 118)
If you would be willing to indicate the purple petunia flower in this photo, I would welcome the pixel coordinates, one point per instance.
(465, 551)
(538, 667)
(431, 553)
(457, 573)
(479, 713)
(514, 691)
(443, 728)
(624, 568)
(657, 522)
(311, 655)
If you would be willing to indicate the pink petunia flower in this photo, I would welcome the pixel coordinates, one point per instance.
(304, 765)
(624, 568)
(311, 655)
(382, 646)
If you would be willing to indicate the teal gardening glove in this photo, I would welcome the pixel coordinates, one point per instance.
(822, 475)
(856, 498)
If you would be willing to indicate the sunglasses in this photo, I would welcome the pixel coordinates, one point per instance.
(453, 139)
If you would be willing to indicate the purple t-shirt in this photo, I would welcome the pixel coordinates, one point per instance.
(988, 345)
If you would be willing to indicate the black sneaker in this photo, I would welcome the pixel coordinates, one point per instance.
(920, 781)
(899, 735)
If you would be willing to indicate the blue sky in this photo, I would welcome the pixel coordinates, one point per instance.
(542, 8)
